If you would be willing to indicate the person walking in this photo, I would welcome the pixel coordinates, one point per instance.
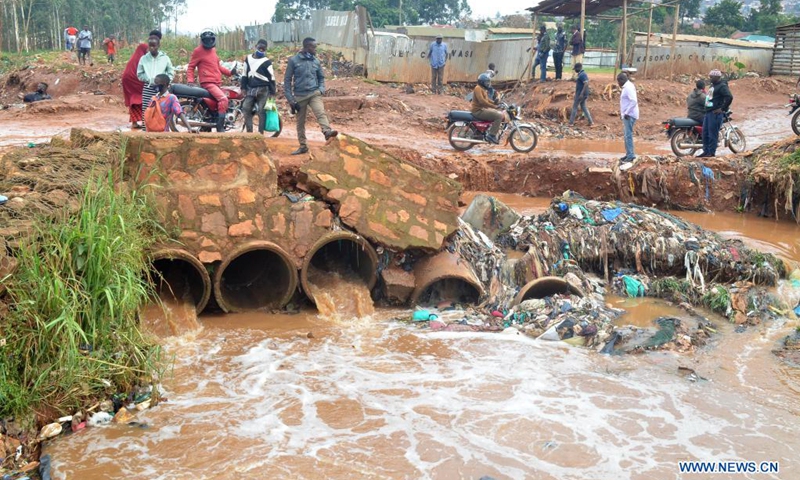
(718, 101)
(581, 95)
(696, 102)
(437, 55)
(629, 112)
(131, 85)
(154, 63)
(85, 46)
(258, 83)
(303, 85)
(558, 50)
(543, 51)
(111, 48)
(205, 60)
(70, 37)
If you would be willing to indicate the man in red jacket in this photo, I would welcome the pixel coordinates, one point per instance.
(205, 59)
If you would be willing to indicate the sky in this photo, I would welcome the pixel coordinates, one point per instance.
(231, 13)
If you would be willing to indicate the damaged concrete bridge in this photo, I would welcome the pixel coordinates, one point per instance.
(240, 236)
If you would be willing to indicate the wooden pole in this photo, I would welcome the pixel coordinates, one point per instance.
(617, 62)
(647, 44)
(674, 42)
(583, 18)
(624, 32)
(534, 23)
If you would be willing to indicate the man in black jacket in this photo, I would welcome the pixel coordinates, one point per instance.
(258, 84)
(718, 100)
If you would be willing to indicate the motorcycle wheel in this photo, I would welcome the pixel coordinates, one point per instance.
(736, 140)
(192, 114)
(523, 139)
(796, 122)
(680, 137)
(462, 131)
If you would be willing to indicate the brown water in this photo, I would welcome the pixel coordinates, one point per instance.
(256, 396)
(342, 295)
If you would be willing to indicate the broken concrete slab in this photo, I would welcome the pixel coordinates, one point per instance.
(387, 200)
(489, 215)
(398, 284)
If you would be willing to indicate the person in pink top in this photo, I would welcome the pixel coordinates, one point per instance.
(205, 60)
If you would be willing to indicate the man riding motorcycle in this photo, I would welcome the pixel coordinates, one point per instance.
(484, 108)
(205, 59)
(696, 102)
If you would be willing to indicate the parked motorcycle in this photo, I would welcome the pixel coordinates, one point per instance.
(200, 108)
(794, 104)
(465, 131)
(686, 136)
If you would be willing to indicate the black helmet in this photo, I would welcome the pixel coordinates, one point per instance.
(208, 39)
(484, 80)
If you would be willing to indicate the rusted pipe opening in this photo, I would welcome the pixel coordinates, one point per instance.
(341, 253)
(445, 277)
(179, 274)
(456, 290)
(545, 287)
(256, 275)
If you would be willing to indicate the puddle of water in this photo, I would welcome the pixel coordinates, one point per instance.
(643, 312)
(522, 205)
(601, 148)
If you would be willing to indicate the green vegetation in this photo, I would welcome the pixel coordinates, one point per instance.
(73, 335)
(718, 299)
(790, 161)
(382, 12)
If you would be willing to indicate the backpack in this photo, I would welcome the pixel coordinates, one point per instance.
(154, 120)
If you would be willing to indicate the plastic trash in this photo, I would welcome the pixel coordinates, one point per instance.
(424, 316)
(3, 199)
(633, 287)
(576, 212)
(797, 310)
(611, 214)
(100, 418)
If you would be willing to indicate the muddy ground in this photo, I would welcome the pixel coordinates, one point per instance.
(409, 122)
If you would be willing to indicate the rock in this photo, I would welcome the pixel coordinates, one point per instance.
(489, 215)
(398, 284)
(511, 331)
(50, 431)
(123, 416)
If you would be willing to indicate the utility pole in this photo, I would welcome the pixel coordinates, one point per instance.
(401, 13)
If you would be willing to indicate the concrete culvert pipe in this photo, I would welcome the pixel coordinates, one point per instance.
(342, 253)
(545, 287)
(255, 275)
(178, 273)
(445, 277)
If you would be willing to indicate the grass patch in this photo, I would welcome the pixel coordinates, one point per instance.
(718, 299)
(790, 161)
(72, 336)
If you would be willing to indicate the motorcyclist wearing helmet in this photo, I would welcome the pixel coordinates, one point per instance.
(205, 59)
(484, 108)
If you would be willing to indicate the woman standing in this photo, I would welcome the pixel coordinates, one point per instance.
(132, 86)
(154, 63)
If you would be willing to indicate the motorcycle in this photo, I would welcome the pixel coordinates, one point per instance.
(794, 103)
(465, 131)
(200, 108)
(686, 136)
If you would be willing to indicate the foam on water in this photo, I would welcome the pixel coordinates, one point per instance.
(390, 401)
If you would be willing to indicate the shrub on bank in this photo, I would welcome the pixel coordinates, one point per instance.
(72, 335)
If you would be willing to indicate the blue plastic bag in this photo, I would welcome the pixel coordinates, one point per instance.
(273, 123)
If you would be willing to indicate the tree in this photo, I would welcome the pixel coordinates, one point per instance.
(383, 12)
(690, 8)
(726, 13)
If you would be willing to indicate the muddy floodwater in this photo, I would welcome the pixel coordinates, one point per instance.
(255, 396)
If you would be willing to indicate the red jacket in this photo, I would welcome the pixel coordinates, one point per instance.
(207, 63)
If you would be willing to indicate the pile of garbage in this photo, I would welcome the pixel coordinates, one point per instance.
(603, 237)
(771, 187)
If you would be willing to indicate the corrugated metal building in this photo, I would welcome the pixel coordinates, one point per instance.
(786, 52)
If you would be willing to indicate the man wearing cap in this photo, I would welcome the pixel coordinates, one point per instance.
(437, 55)
(718, 100)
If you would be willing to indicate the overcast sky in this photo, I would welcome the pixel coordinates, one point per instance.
(231, 13)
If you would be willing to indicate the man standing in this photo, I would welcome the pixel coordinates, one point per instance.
(629, 111)
(70, 37)
(543, 52)
(577, 45)
(258, 84)
(581, 94)
(558, 51)
(85, 46)
(303, 85)
(437, 54)
(718, 100)
(205, 60)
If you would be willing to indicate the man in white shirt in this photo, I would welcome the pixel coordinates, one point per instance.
(629, 112)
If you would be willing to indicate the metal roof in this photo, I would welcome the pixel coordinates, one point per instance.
(572, 8)
(667, 38)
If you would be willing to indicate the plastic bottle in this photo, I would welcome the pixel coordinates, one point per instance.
(424, 316)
